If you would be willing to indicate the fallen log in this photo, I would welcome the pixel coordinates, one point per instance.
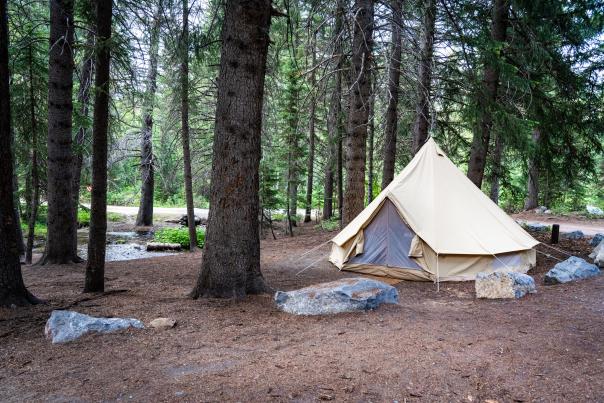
(159, 246)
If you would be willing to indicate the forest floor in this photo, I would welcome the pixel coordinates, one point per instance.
(434, 346)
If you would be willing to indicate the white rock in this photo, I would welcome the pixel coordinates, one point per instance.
(502, 284)
(598, 255)
(594, 210)
(162, 323)
(64, 326)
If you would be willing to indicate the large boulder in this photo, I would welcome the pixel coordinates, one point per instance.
(503, 284)
(198, 221)
(346, 295)
(64, 326)
(598, 255)
(595, 241)
(574, 235)
(593, 210)
(573, 268)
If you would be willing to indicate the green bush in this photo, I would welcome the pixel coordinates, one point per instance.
(330, 225)
(179, 235)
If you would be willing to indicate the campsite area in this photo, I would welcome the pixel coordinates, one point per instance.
(434, 346)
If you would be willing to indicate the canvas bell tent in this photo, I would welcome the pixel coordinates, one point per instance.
(432, 223)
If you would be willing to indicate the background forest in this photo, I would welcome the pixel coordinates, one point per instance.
(544, 121)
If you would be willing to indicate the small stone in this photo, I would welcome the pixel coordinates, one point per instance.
(64, 326)
(595, 241)
(574, 235)
(572, 269)
(162, 323)
(346, 295)
(502, 284)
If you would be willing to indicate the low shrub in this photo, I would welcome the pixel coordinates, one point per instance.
(179, 235)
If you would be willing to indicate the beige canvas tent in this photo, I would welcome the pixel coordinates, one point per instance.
(432, 223)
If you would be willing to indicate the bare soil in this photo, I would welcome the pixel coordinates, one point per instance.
(445, 346)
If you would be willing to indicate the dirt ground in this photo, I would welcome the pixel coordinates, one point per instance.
(445, 346)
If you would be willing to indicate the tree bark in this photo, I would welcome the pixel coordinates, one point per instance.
(231, 261)
(496, 174)
(145, 208)
(362, 44)
(12, 288)
(95, 268)
(184, 110)
(84, 100)
(35, 179)
(370, 144)
(422, 109)
(311, 141)
(532, 200)
(481, 139)
(60, 248)
(394, 74)
(334, 118)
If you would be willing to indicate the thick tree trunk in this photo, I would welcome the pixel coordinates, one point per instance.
(394, 73)
(34, 201)
(145, 208)
(532, 199)
(231, 261)
(311, 142)
(84, 101)
(12, 288)
(184, 111)
(422, 109)
(370, 144)
(60, 246)
(95, 268)
(359, 109)
(334, 118)
(496, 174)
(481, 139)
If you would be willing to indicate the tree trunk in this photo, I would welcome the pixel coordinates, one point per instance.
(422, 109)
(145, 208)
(359, 109)
(34, 201)
(231, 261)
(496, 174)
(84, 100)
(60, 246)
(311, 141)
(394, 74)
(12, 288)
(334, 118)
(95, 268)
(532, 200)
(370, 141)
(184, 110)
(481, 139)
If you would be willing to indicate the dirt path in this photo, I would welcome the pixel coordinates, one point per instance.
(433, 347)
(590, 227)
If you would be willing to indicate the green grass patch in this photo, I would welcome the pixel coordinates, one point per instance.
(40, 230)
(179, 235)
(330, 225)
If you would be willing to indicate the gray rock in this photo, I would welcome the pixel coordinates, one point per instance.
(548, 211)
(64, 326)
(595, 241)
(536, 227)
(573, 268)
(346, 295)
(594, 210)
(574, 235)
(598, 255)
(502, 284)
(540, 210)
(198, 221)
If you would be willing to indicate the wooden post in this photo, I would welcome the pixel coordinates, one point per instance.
(555, 233)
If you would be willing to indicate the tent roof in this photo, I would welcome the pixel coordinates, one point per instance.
(445, 209)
